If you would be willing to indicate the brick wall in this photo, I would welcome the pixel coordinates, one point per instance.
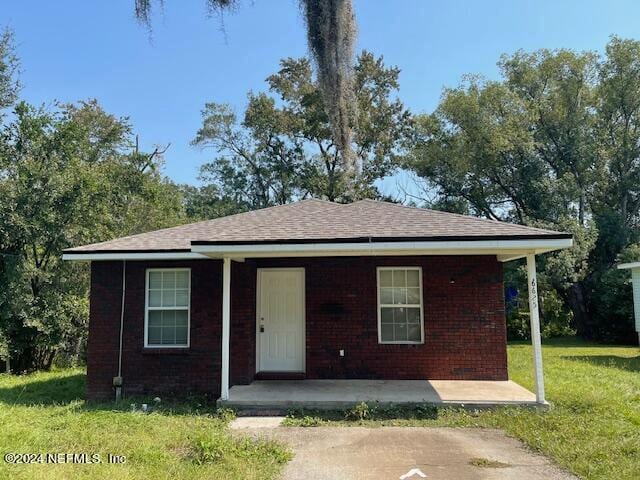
(149, 371)
(465, 333)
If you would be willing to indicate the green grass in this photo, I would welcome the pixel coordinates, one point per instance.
(592, 429)
(44, 413)
(486, 463)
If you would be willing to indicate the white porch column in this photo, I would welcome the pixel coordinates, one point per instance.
(635, 282)
(534, 315)
(226, 325)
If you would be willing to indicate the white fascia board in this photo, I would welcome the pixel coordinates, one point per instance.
(480, 247)
(624, 266)
(134, 256)
(510, 249)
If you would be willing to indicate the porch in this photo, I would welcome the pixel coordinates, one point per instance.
(451, 347)
(338, 394)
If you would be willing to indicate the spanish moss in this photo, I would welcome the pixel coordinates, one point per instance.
(144, 8)
(331, 33)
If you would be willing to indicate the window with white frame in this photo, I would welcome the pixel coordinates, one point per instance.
(167, 307)
(400, 305)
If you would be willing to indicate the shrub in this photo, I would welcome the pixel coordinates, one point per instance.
(359, 412)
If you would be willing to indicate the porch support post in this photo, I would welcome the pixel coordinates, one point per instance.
(226, 322)
(534, 316)
(635, 285)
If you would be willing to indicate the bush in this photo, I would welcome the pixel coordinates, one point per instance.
(359, 412)
(612, 308)
(555, 318)
(518, 325)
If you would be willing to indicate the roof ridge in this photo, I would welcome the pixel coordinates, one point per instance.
(313, 199)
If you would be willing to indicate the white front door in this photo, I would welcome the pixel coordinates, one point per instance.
(280, 308)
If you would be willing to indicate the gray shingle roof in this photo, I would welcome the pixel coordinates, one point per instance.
(320, 221)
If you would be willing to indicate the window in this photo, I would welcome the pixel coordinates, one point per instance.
(167, 307)
(400, 305)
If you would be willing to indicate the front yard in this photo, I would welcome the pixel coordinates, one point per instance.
(593, 428)
(44, 413)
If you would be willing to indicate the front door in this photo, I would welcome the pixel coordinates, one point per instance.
(280, 322)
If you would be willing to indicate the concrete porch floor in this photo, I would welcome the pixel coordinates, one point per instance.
(337, 394)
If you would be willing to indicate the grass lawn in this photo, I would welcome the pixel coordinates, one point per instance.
(44, 413)
(593, 428)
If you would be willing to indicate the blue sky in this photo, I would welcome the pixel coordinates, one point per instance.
(78, 49)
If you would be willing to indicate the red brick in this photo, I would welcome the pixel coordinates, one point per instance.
(465, 332)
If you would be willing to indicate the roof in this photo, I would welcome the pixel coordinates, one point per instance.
(625, 266)
(320, 221)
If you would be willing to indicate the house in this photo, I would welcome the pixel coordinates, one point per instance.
(635, 281)
(276, 301)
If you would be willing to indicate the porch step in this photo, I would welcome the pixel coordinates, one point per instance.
(266, 397)
(280, 376)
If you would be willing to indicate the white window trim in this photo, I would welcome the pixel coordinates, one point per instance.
(147, 308)
(400, 342)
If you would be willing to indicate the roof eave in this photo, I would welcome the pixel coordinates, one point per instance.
(504, 249)
(624, 266)
(367, 240)
(96, 255)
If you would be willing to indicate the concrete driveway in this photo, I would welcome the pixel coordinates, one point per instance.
(347, 453)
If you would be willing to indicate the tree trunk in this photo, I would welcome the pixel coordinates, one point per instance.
(48, 362)
(576, 300)
(22, 362)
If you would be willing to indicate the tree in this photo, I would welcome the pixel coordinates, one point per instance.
(67, 177)
(258, 162)
(553, 143)
(206, 202)
(9, 68)
(331, 33)
(283, 148)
